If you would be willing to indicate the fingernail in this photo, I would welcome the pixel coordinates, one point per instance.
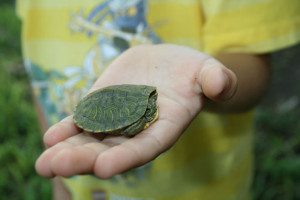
(229, 88)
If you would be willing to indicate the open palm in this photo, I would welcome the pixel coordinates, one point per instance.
(181, 75)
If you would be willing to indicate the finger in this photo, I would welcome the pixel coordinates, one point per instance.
(135, 152)
(53, 161)
(79, 158)
(218, 83)
(42, 165)
(61, 131)
(76, 160)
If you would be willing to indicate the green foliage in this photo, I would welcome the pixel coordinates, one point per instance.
(9, 31)
(277, 155)
(21, 142)
(6, 2)
(277, 174)
(19, 131)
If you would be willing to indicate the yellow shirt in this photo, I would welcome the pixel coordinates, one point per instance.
(67, 44)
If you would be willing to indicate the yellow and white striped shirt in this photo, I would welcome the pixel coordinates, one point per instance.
(213, 159)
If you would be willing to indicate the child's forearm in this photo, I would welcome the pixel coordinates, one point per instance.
(253, 74)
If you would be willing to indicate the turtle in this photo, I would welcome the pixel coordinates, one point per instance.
(118, 109)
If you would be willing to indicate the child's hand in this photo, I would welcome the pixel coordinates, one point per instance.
(182, 76)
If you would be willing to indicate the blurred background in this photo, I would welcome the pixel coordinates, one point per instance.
(277, 142)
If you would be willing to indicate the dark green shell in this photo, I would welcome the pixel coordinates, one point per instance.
(114, 108)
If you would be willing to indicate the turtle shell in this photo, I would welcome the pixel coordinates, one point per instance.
(111, 109)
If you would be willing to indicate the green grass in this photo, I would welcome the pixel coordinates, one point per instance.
(277, 141)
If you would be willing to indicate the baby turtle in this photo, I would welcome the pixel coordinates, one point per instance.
(118, 109)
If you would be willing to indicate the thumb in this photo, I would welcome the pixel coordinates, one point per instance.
(217, 82)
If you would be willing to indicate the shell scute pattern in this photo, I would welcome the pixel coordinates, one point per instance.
(113, 108)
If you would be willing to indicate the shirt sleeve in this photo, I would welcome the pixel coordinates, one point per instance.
(258, 26)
